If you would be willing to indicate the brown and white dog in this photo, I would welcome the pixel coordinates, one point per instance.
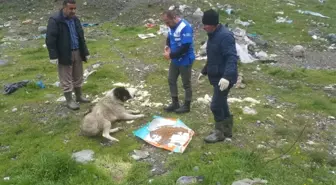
(107, 111)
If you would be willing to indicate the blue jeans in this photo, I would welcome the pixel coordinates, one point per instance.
(219, 105)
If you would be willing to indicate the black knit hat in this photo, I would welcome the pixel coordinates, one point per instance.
(210, 17)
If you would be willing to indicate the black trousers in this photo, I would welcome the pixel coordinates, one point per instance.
(219, 105)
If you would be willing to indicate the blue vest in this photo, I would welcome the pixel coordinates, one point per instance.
(182, 33)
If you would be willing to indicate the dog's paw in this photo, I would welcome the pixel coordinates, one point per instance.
(141, 115)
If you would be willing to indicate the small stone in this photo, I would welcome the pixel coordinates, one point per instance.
(138, 155)
(261, 146)
(196, 168)
(14, 109)
(250, 111)
(6, 178)
(47, 102)
(298, 51)
(150, 181)
(28, 21)
(42, 29)
(85, 3)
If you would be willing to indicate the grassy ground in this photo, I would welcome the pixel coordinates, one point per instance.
(36, 141)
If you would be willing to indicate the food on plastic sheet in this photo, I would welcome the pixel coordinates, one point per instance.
(167, 133)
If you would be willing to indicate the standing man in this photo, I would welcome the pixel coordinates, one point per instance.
(179, 49)
(67, 49)
(221, 68)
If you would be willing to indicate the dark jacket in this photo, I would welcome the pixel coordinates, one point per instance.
(222, 56)
(58, 39)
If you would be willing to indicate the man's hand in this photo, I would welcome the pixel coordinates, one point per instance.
(167, 53)
(200, 76)
(54, 61)
(223, 84)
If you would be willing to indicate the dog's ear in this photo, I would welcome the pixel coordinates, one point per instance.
(122, 94)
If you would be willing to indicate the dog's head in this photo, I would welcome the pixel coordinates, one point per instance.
(122, 94)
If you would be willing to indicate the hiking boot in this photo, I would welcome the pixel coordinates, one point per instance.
(173, 106)
(79, 97)
(217, 134)
(184, 108)
(71, 104)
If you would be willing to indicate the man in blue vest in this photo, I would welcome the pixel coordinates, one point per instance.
(221, 68)
(179, 49)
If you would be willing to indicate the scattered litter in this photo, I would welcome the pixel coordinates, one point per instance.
(61, 99)
(250, 111)
(167, 133)
(251, 100)
(205, 100)
(146, 36)
(7, 24)
(42, 29)
(40, 84)
(171, 7)
(242, 44)
(138, 155)
(28, 21)
(312, 13)
(186, 180)
(234, 100)
(298, 51)
(150, 25)
(56, 84)
(89, 24)
(83, 156)
(332, 38)
(182, 8)
(3, 62)
(261, 55)
(311, 143)
(163, 30)
(284, 20)
(244, 23)
(10, 88)
(6, 178)
(250, 182)
(331, 117)
(198, 13)
(280, 116)
(239, 84)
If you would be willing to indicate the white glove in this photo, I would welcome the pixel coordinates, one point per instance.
(54, 61)
(200, 76)
(223, 84)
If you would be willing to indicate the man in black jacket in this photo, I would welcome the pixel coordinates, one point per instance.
(221, 68)
(67, 49)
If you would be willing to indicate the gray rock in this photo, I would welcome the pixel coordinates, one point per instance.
(83, 156)
(138, 155)
(298, 51)
(42, 29)
(332, 38)
(249, 182)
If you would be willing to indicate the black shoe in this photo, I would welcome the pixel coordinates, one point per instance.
(184, 108)
(71, 104)
(173, 106)
(79, 97)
